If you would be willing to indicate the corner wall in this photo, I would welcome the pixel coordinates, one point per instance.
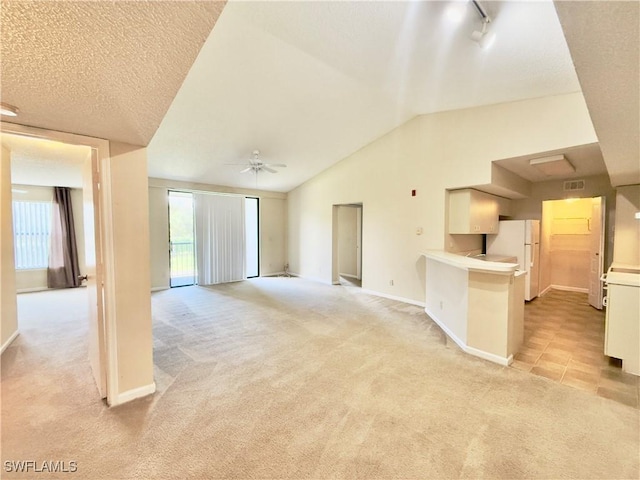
(8, 303)
(430, 154)
(131, 299)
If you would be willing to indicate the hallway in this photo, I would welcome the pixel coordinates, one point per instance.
(564, 341)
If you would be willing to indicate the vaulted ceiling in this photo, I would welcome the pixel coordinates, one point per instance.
(307, 83)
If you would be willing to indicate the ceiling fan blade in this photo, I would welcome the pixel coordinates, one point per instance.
(248, 169)
(281, 165)
(264, 167)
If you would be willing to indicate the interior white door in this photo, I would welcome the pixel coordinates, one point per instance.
(596, 251)
(93, 272)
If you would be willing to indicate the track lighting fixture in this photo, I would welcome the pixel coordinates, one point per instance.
(484, 37)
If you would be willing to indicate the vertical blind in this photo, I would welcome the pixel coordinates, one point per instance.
(219, 238)
(31, 230)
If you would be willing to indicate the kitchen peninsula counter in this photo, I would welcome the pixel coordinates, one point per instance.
(479, 304)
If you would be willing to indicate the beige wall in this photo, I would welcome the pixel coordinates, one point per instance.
(8, 304)
(627, 227)
(430, 154)
(570, 243)
(273, 207)
(36, 279)
(131, 299)
(347, 241)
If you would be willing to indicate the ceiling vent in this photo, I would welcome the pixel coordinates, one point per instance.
(573, 185)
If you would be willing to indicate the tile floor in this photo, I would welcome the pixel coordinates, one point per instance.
(564, 341)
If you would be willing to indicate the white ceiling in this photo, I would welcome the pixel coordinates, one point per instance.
(36, 161)
(101, 69)
(586, 159)
(604, 38)
(308, 83)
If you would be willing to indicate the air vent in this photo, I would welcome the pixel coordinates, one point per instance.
(573, 185)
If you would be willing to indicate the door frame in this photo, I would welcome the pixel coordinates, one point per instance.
(102, 205)
(335, 236)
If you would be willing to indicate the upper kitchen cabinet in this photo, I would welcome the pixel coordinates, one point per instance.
(472, 211)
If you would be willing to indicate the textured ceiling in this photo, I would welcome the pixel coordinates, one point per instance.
(604, 39)
(586, 159)
(308, 83)
(99, 68)
(35, 161)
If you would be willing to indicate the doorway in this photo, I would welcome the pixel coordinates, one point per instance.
(52, 162)
(347, 245)
(182, 259)
(572, 246)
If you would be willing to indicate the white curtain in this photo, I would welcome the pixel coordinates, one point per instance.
(219, 238)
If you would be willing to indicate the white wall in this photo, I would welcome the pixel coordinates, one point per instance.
(36, 279)
(430, 154)
(130, 300)
(273, 225)
(8, 304)
(627, 229)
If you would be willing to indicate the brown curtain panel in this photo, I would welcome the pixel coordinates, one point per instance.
(63, 268)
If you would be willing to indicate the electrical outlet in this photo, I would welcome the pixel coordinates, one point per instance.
(391, 282)
(441, 304)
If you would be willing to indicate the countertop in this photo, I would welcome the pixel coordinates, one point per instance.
(470, 263)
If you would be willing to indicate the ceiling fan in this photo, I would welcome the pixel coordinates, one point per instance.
(256, 165)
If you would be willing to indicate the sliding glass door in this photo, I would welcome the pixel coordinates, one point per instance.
(181, 239)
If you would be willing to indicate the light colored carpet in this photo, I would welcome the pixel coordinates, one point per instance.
(285, 378)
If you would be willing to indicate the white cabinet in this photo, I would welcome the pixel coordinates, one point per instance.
(622, 333)
(472, 211)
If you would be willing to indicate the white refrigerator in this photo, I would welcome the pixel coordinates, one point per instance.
(521, 239)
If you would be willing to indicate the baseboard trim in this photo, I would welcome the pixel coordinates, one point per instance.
(134, 393)
(348, 275)
(158, 289)
(274, 274)
(393, 297)
(569, 289)
(446, 329)
(31, 290)
(546, 290)
(466, 348)
(9, 340)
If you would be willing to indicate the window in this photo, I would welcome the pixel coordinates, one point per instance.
(31, 230)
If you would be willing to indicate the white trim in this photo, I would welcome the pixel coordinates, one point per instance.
(446, 330)
(393, 297)
(31, 290)
(348, 275)
(570, 289)
(492, 357)
(157, 289)
(272, 274)
(133, 394)
(9, 340)
(546, 290)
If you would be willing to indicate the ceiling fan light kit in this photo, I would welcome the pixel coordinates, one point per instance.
(256, 165)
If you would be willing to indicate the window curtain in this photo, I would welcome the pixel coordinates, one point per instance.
(219, 238)
(63, 268)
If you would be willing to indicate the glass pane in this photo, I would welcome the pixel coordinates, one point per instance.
(182, 258)
(252, 256)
